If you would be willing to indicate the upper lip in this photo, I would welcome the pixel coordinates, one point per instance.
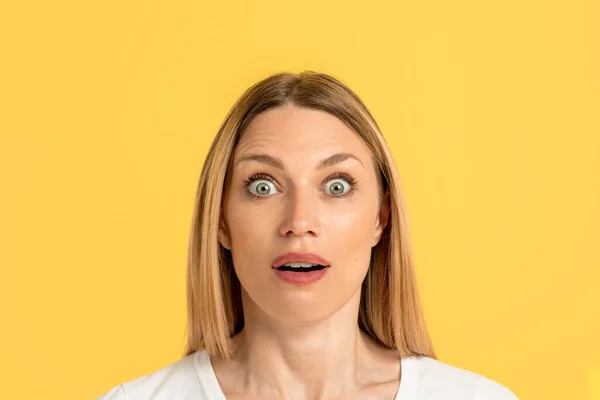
(295, 256)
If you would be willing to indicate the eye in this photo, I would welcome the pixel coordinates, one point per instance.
(260, 186)
(342, 185)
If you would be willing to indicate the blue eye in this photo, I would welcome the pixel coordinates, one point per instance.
(261, 186)
(337, 187)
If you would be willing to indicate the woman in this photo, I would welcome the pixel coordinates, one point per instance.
(300, 277)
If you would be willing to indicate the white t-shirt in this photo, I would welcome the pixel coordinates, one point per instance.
(423, 378)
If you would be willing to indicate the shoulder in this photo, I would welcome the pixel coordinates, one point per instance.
(434, 379)
(180, 380)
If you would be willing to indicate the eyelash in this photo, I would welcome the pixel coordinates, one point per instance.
(348, 178)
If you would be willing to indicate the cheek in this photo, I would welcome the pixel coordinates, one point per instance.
(246, 226)
(353, 225)
(249, 231)
(349, 237)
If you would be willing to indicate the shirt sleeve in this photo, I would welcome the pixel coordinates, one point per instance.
(488, 389)
(116, 393)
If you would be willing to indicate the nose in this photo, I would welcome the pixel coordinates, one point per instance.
(300, 214)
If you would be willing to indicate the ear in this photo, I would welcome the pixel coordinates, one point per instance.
(382, 219)
(223, 235)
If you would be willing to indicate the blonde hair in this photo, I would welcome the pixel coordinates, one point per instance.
(390, 309)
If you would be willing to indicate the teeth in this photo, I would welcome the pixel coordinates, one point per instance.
(299, 265)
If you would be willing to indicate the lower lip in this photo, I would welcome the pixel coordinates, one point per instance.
(301, 278)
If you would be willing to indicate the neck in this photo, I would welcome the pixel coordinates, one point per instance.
(329, 358)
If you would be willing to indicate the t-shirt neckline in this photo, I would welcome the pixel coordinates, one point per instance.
(210, 384)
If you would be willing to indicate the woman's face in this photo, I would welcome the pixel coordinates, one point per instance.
(332, 211)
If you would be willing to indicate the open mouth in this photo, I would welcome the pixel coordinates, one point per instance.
(301, 269)
(301, 274)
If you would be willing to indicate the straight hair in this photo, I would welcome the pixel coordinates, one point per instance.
(390, 309)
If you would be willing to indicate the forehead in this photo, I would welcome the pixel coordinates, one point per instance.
(294, 130)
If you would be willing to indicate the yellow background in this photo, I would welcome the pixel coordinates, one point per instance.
(107, 110)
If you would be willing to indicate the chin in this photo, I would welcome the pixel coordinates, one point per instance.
(295, 310)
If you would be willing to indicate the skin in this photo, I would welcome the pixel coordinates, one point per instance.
(303, 342)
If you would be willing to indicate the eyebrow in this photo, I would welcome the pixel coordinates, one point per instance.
(277, 163)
